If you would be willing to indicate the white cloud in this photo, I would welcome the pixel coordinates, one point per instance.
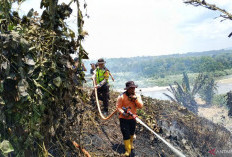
(125, 28)
(135, 27)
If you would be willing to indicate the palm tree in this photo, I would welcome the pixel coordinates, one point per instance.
(208, 90)
(184, 95)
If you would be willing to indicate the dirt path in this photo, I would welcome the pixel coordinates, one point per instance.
(227, 80)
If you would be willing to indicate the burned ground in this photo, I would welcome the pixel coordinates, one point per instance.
(193, 135)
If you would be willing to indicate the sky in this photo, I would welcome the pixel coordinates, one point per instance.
(128, 28)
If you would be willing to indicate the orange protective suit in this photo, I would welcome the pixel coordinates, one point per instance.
(124, 101)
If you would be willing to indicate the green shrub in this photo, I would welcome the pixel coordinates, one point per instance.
(219, 100)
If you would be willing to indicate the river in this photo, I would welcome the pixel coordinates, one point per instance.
(157, 92)
(224, 85)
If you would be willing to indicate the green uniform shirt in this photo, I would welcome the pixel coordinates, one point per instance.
(100, 74)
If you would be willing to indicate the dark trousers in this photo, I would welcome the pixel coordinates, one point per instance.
(127, 128)
(103, 95)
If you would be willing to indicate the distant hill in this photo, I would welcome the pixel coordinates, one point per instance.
(178, 55)
(212, 53)
(146, 69)
(204, 53)
(160, 66)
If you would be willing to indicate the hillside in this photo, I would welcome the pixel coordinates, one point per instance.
(191, 134)
(164, 70)
(164, 64)
(203, 53)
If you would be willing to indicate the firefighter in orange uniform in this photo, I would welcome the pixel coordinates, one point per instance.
(127, 103)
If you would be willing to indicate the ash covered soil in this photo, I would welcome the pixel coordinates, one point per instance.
(192, 135)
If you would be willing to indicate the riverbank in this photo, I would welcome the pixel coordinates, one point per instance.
(224, 81)
(224, 85)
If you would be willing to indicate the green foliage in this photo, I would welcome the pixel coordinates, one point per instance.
(208, 89)
(229, 102)
(185, 81)
(6, 147)
(162, 66)
(36, 86)
(142, 113)
(219, 100)
(184, 95)
(164, 70)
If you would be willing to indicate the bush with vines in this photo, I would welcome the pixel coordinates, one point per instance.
(37, 93)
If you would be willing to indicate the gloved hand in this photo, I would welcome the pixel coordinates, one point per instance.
(133, 115)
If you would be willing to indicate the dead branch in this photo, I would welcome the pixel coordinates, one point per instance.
(203, 3)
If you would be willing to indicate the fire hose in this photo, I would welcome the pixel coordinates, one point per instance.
(98, 106)
(104, 118)
(177, 152)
